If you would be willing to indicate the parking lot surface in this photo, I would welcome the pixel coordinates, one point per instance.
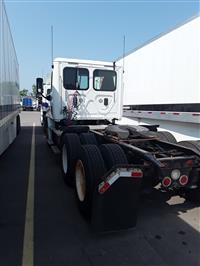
(40, 223)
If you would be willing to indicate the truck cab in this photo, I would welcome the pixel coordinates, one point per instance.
(85, 90)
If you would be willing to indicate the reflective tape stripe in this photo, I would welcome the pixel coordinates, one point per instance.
(114, 176)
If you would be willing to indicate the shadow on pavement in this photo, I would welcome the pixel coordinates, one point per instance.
(167, 232)
(14, 170)
(63, 237)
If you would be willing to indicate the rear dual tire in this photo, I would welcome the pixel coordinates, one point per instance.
(88, 138)
(71, 148)
(90, 169)
(113, 155)
(88, 172)
(84, 167)
(192, 195)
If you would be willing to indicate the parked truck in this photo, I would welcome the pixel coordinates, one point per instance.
(9, 85)
(27, 104)
(110, 165)
(162, 82)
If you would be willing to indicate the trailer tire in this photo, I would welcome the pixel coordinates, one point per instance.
(113, 155)
(18, 125)
(71, 148)
(88, 138)
(192, 144)
(166, 136)
(89, 170)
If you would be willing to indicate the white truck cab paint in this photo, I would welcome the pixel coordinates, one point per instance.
(86, 90)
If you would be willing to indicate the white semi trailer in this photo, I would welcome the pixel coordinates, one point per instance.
(162, 82)
(9, 84)
(110, 165)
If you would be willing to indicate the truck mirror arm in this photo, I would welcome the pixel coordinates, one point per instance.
(48, 97)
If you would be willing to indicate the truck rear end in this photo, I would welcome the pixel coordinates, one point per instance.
(110, 166)
(27, 104)
(86, 90)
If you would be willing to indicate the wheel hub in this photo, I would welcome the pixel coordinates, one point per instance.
(64, 159)
(80, 180)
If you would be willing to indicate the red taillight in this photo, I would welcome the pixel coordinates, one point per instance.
(166, 181)
(137, 173)
(183, 180)
(105, 186)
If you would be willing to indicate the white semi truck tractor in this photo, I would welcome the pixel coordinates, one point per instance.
(110, 165)
(9, 84)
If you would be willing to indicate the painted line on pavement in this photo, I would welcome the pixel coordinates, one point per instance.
(28, 245)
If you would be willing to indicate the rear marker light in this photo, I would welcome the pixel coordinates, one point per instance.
(105, 186)
(115, 175)
(137, 173)
(176, 113)
(166, 181)
(183, 180)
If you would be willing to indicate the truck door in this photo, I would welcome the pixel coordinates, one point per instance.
(104, 89)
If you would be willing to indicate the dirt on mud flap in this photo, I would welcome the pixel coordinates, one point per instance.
(115, 200)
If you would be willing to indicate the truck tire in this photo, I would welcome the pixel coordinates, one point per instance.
(18, 125)
(88, 138)
(75, 129)
(89, 170)
(192, 144)
(71, 148)
(45, 124)
(166, 136)
(113, 155)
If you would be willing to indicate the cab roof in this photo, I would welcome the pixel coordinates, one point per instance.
(83, 61)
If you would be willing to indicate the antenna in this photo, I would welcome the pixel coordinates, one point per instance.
(124, 46)
(52, 46)
(52, 66)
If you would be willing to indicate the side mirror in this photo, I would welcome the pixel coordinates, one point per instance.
(48, 91)
(40, 100)
(39, 85)
(48, 97)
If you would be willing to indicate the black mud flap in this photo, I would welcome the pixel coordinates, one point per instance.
(116, 208)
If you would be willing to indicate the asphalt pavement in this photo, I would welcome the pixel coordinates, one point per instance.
(167, 232)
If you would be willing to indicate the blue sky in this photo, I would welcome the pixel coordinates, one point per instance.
(87, 29)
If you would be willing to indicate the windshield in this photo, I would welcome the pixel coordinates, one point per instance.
(104, 80)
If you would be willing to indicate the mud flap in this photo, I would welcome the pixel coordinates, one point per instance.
(116, 208)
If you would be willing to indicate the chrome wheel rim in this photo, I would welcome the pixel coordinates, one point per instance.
(80, 180)
(64, 159)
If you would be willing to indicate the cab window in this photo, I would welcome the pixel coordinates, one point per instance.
(104, 80)
(75, 78)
